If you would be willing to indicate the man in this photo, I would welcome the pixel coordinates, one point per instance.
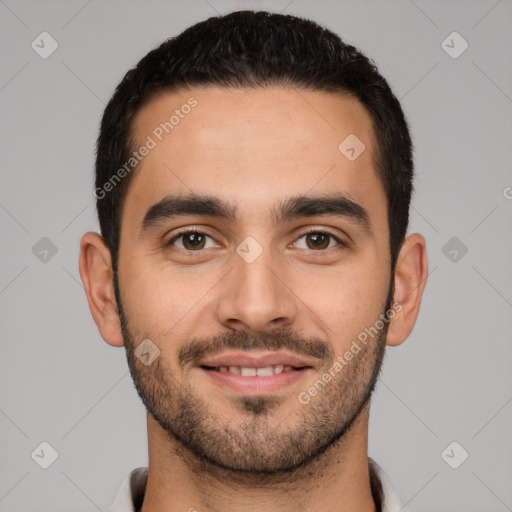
(253, 182)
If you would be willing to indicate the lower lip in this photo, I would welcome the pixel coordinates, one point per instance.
(256, 384)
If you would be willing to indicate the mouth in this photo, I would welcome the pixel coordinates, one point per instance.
(248, 371)
(255, 375)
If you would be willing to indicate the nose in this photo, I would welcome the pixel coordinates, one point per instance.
(255, 296)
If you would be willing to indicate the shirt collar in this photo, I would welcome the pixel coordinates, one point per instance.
(131, 494)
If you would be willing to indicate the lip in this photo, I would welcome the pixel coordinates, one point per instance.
(255, 360)
(255, 385)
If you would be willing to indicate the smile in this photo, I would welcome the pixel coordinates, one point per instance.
(255, 381)
(253, 372)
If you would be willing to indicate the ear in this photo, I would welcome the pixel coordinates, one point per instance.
(97, 277)
(411, 273)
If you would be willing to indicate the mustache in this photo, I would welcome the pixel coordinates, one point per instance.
(281, 339)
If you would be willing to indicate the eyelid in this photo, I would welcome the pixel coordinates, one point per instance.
(324, 231)
(186, 231)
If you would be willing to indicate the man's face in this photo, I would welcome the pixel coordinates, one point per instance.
(255, 282)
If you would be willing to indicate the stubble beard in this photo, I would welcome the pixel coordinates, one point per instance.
(257, 440)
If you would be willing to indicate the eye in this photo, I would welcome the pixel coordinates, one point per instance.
(319, 240)
(193, 240)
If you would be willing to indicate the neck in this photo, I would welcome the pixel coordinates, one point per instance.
(336, 480)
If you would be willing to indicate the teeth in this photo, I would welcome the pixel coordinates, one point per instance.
(264, 372)
(278, 368)
(253, 372)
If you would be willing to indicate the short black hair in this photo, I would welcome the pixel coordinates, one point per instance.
(255, 49)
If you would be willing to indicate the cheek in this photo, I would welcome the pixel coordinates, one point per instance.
(347, 300)
(156, 298)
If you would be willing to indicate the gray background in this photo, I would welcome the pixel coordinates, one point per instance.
(450, 381)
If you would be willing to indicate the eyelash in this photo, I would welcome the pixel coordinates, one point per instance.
(313, 231)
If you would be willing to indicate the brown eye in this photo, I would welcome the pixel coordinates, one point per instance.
(319, 240)
(191, 240)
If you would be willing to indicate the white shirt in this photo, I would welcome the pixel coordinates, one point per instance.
(131, 494)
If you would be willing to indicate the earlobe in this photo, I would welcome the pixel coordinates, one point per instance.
(97, 277)
(411, 273)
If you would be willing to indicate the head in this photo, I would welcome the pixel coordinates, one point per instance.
(256, 128)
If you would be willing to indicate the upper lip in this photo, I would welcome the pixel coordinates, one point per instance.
(244, 360)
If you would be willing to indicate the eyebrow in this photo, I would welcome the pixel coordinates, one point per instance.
(174, 206)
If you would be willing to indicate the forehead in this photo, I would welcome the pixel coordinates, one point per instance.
(254, 146)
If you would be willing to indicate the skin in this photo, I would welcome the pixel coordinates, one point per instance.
(212, 448)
